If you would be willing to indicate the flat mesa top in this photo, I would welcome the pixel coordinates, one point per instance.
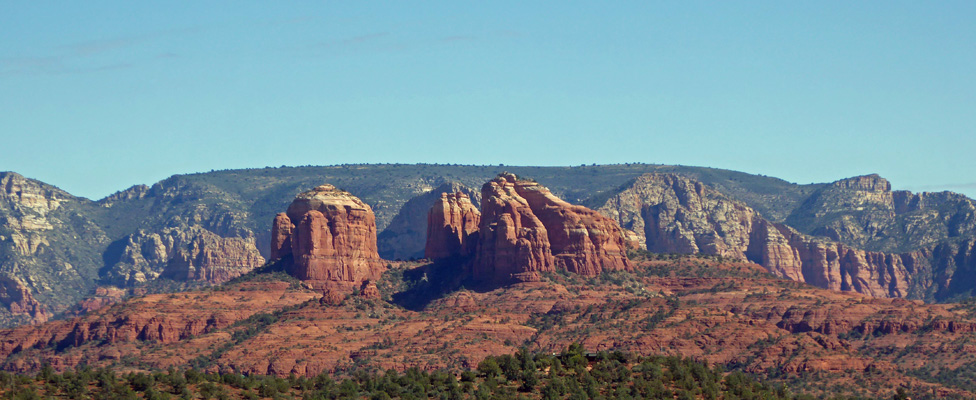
(324, 198)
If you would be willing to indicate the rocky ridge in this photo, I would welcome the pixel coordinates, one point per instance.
(679, 215)
(89, 243)
(864, 212)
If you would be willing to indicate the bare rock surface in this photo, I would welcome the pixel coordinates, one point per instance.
(333, 240)
(452, 227)
(582, 240)
(678, 215)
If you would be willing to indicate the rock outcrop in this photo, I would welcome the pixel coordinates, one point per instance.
(678, 215)
(183, 254)
(865, 213)
(513, 243)
(452, 227)
(406, 236)
(104, 296)
(333, 240)
(281, 230)
(525, 230)
(582, 240)
(17, 297)
(830, 265)
(369, 291)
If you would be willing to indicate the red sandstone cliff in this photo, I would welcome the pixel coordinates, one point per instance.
(830, 265)
(525, 230)
(452, 227)
(582, 240)
(281, 230)
(332, 237)
(513, 244)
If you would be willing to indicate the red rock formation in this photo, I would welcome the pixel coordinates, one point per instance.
(332, 297)
(513, 243)
(334, 240)
(582, 240)
(104, 297)
(452, 227)
(17, 297)
(525, 230)
(369, 291)
(830, 265)
(281, 230)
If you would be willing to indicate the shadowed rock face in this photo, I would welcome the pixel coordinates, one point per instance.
(333, 241)
(452, 227)
(406, 235)
(281, 230)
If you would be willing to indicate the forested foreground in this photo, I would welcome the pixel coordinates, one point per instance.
(571, 374)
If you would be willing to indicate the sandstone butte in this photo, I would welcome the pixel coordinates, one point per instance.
(524, 230)
(330, 236)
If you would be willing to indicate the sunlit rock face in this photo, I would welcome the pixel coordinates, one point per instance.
(331, 238)
(526, 230)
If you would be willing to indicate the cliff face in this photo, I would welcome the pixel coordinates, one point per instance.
(674, 214)
(48, 249)
(183, 254)
(865, 213)
(333, 241)
(582, 240)
(513, 243)
(524, 230)
(452, 227)
(678, 215)
(830, 265)
(406, 235)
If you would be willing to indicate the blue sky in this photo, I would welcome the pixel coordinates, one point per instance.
(96, 96)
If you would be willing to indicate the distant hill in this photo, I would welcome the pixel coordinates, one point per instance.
(200, 229)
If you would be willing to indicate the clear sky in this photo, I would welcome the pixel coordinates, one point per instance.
(96, 96)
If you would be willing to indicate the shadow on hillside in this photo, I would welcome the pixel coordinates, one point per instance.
(427, 283)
